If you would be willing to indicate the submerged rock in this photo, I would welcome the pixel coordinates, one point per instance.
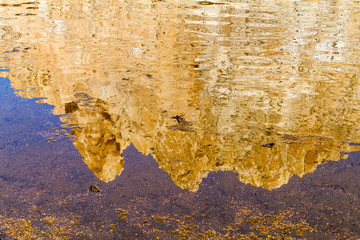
(94, 188)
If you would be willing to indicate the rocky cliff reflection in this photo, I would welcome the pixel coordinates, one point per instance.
(267, 89)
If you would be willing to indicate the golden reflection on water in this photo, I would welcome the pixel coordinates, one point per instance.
(268, 89)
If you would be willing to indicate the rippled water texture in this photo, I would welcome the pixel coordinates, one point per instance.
(234, 96)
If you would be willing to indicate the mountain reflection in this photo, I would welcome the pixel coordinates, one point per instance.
(261, 89)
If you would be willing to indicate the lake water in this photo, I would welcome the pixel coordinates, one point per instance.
(189, 119)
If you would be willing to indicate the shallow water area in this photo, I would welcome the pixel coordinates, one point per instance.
(179, 119)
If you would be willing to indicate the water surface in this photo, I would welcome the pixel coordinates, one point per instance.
(197, 119)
